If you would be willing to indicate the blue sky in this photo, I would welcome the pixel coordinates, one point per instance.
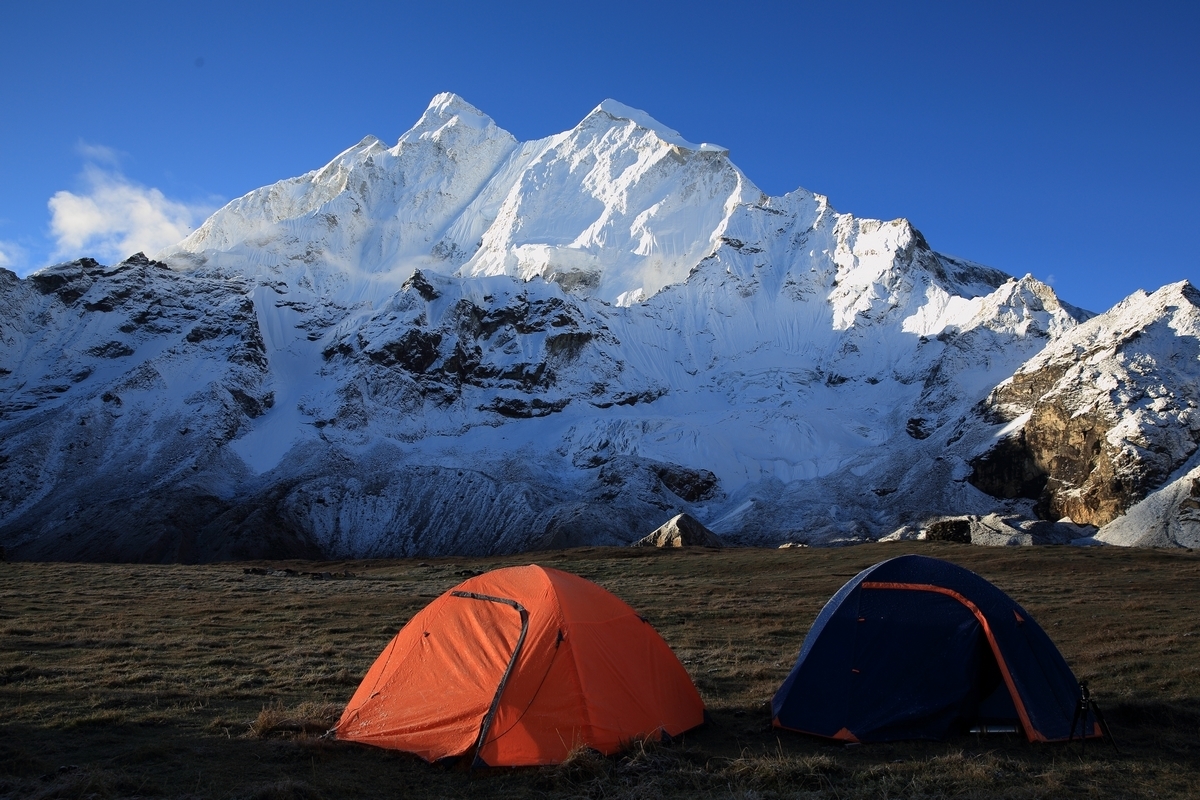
(1058, 139)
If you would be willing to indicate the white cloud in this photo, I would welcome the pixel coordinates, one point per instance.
(12, 255)
(115, 217)
(97, 153)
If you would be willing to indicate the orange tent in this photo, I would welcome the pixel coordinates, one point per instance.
(518, 666)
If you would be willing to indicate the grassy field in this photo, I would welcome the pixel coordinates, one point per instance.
(203, 681)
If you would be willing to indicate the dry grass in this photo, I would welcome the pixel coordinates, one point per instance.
(204, 682)
(308, 718)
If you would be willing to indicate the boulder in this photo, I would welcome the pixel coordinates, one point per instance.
(949, 530)
(680, 531)
(995, 530)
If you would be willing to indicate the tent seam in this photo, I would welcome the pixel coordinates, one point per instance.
(586, 715)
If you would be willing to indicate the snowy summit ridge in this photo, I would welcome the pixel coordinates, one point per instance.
(463, 343)
(641, 119)
(618, 207)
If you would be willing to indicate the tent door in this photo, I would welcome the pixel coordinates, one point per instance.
(491, 712)
(995, 707)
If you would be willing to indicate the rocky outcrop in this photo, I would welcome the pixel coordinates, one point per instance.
(1104, 415)
(949, 530)
(680, 531)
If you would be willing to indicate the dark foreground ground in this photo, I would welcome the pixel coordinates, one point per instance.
(202, 681)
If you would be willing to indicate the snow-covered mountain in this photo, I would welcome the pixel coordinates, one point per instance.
(619, 205)
(468, 344)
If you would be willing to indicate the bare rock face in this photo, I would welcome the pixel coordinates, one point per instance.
(680, 531)
(691, 485)
(949, 530)
(1009, 469)
(1110, 411)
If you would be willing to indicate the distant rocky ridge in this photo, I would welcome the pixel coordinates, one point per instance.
(467, 344)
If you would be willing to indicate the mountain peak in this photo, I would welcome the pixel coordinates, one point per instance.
(1142, 307)
(446, 110)
(619, 111)
(1184, 289)
(447, 104)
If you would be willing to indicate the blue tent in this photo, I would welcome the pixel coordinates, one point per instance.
(919, 648)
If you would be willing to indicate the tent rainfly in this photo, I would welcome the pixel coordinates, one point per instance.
(518, 666)
(919, 648)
